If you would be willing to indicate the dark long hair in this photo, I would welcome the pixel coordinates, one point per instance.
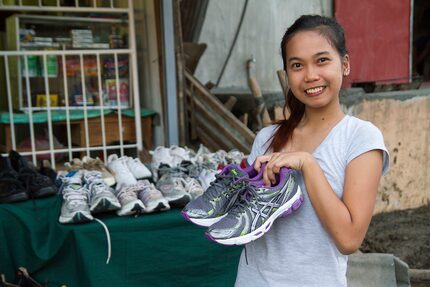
(334, 33)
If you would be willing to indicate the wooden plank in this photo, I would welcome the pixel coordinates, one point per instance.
(230, 103)
(205, 116)
(282, 76)
(205, 96)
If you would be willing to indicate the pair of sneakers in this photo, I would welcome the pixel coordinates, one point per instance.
(127, 170)
(85, 193)
(238, 208)
(141, 197)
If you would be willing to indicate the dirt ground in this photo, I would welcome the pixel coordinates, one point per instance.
(406, 234)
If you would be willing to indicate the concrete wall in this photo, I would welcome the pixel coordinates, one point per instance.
(263, 27)
(404, 119)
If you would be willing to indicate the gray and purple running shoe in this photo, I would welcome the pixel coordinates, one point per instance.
(220, 196)
(256, 209)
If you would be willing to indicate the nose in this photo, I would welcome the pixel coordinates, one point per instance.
(311, 74)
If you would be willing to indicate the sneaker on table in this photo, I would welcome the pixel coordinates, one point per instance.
(75, 207)
(137, 168)
(207, 176)
(101, 197)
(178, 155)
(222, 193)
(151, 197)
(193, 187)
(122, 173)
(161, 155)
(127, 196)
(74, 165)
(256, 210)
(36, 184)
(171, 185)
(11, 188)
(97, 164)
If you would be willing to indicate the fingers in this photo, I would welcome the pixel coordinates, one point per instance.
(269, 175)
(260, 160)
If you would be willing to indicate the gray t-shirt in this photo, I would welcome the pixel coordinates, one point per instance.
(297, 251)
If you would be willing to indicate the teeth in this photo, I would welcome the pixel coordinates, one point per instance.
(314, 90)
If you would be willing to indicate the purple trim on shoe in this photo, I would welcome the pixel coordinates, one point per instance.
(185, 215)
(209, 237)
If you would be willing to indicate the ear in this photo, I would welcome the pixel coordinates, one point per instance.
(346, 68)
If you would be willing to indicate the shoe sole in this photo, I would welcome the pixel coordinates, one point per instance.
(158, 206)
(293, 204)
(104, 205)
(14, 198)
(179, 201)
(76, 217)
(204, 222)
(131, 208)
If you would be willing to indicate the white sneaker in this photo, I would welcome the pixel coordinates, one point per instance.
(75, 208)
(207, 176)
(179, 154)
(151, 197)
(123, 175)
(138, 169)
(127, 196)
(161, 155)
(193, 187)
(101, 197)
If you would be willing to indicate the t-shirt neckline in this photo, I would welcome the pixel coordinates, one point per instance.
(336, 126)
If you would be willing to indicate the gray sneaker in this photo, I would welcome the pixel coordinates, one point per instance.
(256, 210)
(101, 196)
(151, 197)
(75, 208)
(171, 185)
(220, 196)
(127, 196)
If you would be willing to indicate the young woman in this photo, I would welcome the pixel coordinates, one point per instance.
(340, 160)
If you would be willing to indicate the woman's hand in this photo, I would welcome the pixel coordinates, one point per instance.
(277, 160)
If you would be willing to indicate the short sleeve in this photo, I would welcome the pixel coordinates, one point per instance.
(261, 143)
(367, 137)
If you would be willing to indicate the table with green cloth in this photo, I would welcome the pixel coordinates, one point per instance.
(160, 249)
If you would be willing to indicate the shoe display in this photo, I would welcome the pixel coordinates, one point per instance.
(127, 196)
(11, 189)
(151, 197)
(97, 164)
(256, 210)
(36, 184)
(178, 155)
(171, 185)
(122, 173)
(101, 197)
(215, 202)
(137, 168)
(75, 207)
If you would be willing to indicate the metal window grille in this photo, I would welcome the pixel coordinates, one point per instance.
(16, 72)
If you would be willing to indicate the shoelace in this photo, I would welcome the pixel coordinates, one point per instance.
(128, 192)
(245, 199)
(74, 197)
(107, 237)
(218, 186)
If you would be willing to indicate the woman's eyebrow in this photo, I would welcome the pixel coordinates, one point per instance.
(314, 56)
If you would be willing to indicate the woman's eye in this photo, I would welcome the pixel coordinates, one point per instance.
(322, 60)
(296, 65)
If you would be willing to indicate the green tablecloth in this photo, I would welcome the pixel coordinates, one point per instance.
(150, 250)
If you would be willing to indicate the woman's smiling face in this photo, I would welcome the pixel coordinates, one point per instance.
(315, 69)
